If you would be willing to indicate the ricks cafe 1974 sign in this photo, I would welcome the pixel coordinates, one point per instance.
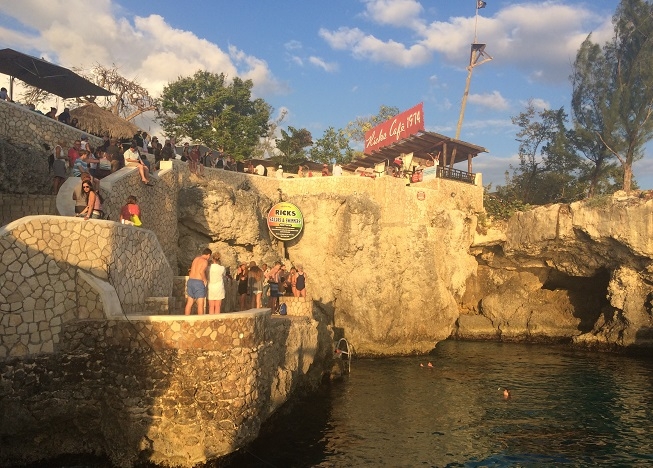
(285, 221)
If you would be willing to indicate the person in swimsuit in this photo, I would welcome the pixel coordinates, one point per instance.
(196, 285)
(299, 289)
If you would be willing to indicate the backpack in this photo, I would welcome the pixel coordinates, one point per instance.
(283, 309)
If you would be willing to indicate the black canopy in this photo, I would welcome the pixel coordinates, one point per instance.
(47, 76)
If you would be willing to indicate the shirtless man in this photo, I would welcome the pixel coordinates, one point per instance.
(197, 280)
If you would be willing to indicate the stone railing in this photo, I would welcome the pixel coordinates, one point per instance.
(298, 306)
(41, 258)
(20, 125)
(391, 193)
(13, 206)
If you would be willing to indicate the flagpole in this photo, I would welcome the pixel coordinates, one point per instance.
(478, 51)
(476, 22)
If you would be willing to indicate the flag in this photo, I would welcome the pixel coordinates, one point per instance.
(480, 4)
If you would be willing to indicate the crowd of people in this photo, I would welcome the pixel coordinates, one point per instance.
(256, 286)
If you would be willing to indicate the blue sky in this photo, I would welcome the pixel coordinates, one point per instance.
(326, 63)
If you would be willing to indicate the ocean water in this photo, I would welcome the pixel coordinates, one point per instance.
(567, 408)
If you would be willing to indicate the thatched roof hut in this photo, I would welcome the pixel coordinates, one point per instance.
(97, 121)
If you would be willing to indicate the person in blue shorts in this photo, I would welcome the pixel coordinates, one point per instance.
(197, 281)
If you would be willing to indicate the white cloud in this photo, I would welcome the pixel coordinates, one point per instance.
(371, 48)
(326, 66)
(157, 52)
(492, 100)
(394, 12)
(293, 45)
(540, 38)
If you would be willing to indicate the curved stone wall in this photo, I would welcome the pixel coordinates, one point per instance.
(40, 257)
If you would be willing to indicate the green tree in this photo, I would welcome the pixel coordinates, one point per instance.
(291, 146)
(355, 130)
(207, 109)
(549, 169)
(332, 147)
(613, 87)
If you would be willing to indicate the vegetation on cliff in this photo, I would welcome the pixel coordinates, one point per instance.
(612, 106)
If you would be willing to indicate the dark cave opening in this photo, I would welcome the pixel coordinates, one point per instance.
(588, 295)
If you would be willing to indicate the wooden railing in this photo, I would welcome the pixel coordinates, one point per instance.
(456, 174)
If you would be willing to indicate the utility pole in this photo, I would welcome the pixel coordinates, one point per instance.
(477, 53)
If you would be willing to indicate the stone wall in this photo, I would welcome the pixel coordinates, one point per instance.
(13, 206)
(168, 390)
(21, 126)
(158, 204)
(40, 260)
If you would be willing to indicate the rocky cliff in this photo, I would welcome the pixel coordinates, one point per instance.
(581, 272)
(386, 264)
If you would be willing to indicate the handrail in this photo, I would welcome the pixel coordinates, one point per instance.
(456, 174)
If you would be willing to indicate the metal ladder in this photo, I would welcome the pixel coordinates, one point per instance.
(345, 351)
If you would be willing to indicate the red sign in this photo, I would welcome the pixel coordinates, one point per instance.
(392, 130)
(421, 195)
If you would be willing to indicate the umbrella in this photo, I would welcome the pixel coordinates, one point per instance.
(47, 76)
(93, 119)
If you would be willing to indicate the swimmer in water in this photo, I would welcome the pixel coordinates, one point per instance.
(428, 365)
(506, 394)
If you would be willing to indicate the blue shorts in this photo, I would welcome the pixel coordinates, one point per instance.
(196, 289)
(274, 290)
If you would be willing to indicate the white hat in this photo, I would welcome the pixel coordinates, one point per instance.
(280, 166)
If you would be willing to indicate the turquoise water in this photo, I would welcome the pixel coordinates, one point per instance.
(567, 408)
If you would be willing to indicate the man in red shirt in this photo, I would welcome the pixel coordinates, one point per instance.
(73, 152)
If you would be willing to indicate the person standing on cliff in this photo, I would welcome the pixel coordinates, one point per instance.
(197, 281)
(274, 280)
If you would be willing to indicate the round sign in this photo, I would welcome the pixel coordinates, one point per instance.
(285, 221)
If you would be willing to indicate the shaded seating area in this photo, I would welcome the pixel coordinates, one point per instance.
(423, 149)
(47, 76)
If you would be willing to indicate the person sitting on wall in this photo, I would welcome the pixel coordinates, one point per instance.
(113, 151)
(64, 117)
(325, 170)
(82, 163)
(53, 113)
(4, 95)
(104, 167)
(130, 213)
(93, 208)
(133, 159)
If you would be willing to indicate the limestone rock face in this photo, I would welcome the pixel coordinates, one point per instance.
(230, 220)
(388, 272)
(581, 271)
(24, 169)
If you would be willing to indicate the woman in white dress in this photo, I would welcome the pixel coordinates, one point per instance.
(216, 275)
